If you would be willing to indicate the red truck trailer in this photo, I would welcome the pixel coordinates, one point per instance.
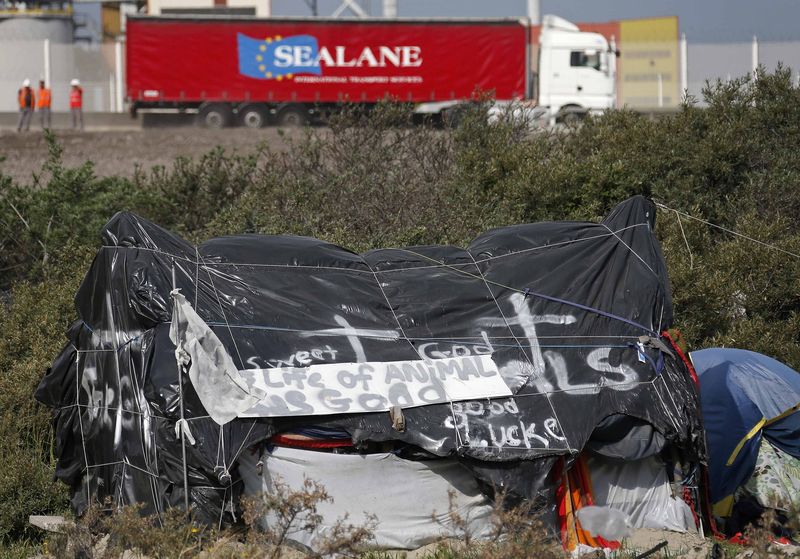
(290, 70)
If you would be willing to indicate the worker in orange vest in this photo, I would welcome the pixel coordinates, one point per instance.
(27, 101)
(76, 103)
(43, 105)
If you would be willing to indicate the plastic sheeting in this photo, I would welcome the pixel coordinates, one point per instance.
(411, 500)
(558, 308)
(641, 490)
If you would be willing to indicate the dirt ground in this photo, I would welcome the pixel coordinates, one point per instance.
(689, 545)
(119, 152)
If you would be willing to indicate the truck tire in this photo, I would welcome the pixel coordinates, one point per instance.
(253, 116)
(292, 117)
(215, 116)
(571, 115)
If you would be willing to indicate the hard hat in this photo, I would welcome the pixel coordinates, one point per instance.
(74, 82)
(26, 82)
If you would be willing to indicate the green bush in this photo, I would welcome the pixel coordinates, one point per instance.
(373, 180)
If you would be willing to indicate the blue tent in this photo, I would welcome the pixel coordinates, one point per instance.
(744, 395)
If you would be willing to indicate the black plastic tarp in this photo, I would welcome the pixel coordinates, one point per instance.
(563, 304)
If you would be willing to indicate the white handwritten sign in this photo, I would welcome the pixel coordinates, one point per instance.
(375, 386)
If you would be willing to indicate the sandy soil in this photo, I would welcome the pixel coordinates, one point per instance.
(119, 152)
(689, 545)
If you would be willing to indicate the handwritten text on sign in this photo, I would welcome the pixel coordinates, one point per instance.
(373, 386)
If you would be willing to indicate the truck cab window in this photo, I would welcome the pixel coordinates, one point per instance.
(587, 59)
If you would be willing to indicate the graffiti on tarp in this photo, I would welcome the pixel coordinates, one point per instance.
(307, 383)
(373, 386)
(301, 358)
(501, 424)
(326, 353)
(548, 369)
(616, 377)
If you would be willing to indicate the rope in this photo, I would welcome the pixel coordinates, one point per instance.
(685, 240)
(632, 251)
(660, 282)
(589, 309)
(222, 310)
(730, 231)
(78, 370)
(511, 331)
(527, 292)
(423, 338)
(356, 270)
(561, 243)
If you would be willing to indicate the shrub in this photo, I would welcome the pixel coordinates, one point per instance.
(373, 180)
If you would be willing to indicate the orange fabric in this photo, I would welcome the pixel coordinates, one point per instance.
(577, 502)
(76, 98)
(44, 98)
(21, 97)
(574, 492)
(570, 538)
(588, 494)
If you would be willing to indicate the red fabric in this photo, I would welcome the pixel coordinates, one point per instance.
(682, 356)
(310, 443)
(705, 504)
(705, 499)
(689, 500)
(738, 539)
(76, 98)
(561, 499)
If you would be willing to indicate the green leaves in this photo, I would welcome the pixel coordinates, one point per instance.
(371, 179)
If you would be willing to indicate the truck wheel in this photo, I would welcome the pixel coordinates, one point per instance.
(253, 117)
(215, 116)
(292, 117)
(571, 115)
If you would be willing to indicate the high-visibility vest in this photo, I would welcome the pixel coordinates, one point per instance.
(26, 97)
(76, 98)
(44, 98)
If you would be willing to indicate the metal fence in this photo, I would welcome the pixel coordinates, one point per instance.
(650, 75)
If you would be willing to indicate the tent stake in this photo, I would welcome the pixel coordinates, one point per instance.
(182, 421)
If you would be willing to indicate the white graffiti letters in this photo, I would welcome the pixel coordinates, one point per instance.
(500, 424)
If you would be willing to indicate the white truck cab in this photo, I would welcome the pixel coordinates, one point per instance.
(577, 70)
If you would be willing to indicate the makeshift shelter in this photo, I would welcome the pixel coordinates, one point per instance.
(749, 404)
(501, 361)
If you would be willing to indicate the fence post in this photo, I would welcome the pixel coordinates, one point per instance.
(47, 63)
(755, 55)
(684, 67)
(660, 90)
(111, 94)
(118, 73)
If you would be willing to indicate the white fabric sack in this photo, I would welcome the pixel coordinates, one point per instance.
(641, 490)
(404, 495)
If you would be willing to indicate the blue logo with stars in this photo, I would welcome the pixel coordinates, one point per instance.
(277, 57)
